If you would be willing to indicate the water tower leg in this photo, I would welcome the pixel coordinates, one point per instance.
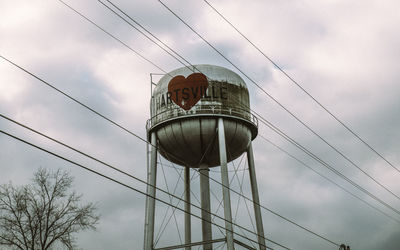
(256, 199)
(145, 207)
(151, 192)
(188, 226)
(225, 183)
(205, 206)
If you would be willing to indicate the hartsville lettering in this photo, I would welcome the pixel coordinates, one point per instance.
(185, 94)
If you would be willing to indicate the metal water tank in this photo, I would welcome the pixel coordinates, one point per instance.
(185, 107)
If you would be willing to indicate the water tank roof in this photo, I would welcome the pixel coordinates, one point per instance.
(213, 73)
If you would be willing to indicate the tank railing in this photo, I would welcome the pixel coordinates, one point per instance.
(210, 109)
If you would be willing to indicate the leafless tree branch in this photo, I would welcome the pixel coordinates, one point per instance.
(44, 213)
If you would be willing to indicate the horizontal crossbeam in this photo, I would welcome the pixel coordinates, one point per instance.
(191, 244)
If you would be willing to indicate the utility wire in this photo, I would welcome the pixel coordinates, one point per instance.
(151, 34)
(116, 124)
(303, 89)
(128, 131)
(326, 178)
(75, 100)
(316, 158)
(114, 37)
(141, 32)
(123, 44)
(73, 150)
(298, 145)
(130, 187)
(118, 170)
(192, 65)
(137, 23)
(125, 20)
(114, 168)
(144, 34)
(92, 22)
(81, 15)
(277, 102)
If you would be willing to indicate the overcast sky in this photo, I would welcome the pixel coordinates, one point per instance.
(345, 53)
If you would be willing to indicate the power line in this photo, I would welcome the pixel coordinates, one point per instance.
(151, 34)
(105, 164)
(111, 35)
(309, 153)
(75, 100)
(132, 188)
(102, 30)
(109, 166)
(137, 136)
(250, 79)
(118, 170)
(277, 102)
(303, 89)
(141, 26)
(141, 32)
(164, 71)
(94, 111)
(96, 25)
(326, 178)
(275, 129)
(115, 169)
(78, 13)
(144, 34)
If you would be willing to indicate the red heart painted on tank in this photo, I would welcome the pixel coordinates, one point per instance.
(186, 92)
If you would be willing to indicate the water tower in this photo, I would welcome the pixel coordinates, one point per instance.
(200, 118)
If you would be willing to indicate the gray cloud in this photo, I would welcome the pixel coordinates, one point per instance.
(344, 53)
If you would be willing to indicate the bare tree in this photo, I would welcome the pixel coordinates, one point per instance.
(43, 214)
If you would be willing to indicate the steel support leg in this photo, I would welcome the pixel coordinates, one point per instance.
(188, 224)
(205, 205)
(225, 183)
(256, 199)
(151, 192)
(145, 207)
